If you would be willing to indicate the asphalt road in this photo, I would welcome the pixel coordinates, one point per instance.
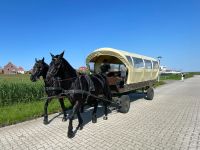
(170, 121)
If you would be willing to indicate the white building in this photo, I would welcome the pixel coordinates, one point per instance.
(165, 70)
(20, 70)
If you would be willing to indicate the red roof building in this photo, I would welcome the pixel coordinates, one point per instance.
(10, 69)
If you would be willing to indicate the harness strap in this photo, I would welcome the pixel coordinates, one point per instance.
(102, 84)
(80, 83)
(53, 88)
(90, 83)
(67, 92)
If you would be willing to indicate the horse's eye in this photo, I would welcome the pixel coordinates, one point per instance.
(55, 59)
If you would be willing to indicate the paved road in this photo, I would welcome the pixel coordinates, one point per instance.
(170, 121)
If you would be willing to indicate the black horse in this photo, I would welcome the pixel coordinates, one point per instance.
(40, 68)
(95, 84)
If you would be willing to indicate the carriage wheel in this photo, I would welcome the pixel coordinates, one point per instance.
(150, 93)
(124, 104)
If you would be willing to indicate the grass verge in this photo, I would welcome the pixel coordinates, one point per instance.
(25, 111)
(159, 83)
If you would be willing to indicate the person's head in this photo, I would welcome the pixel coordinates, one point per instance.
(105, 61)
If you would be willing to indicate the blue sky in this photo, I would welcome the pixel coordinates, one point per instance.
(32, 29)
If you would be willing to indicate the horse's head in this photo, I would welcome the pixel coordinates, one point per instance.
(55, 65)
(59, 67)
(39, 69)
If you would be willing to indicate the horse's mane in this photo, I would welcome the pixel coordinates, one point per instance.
(46, 65)
(69, 68)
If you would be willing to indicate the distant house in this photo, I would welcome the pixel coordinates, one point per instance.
(83, 70)
(1, 70)
(10, 69)
(20, 70)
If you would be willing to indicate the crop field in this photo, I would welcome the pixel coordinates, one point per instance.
(21, 99)
(18, 88)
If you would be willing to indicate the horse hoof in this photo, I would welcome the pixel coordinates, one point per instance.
(80, 127)
(105, 118)
(94, 120)
(70, 134)
(45, 122)
(64, 119)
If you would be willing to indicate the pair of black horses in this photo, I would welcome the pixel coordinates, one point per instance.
(59, 77)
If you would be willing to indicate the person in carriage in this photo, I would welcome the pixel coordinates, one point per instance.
(105, 67)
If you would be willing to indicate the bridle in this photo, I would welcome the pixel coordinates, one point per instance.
(37, 73)
(51, 72)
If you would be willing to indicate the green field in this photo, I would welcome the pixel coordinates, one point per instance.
(18, 88)
(21, 99)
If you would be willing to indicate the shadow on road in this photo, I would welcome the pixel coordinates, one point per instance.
(136, 96)
(87, 114)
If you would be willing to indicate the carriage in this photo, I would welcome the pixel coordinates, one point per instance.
(128, 73)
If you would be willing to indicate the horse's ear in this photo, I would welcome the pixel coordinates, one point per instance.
(52, 55)
(62, 54)
(35, 59)
(43, 59)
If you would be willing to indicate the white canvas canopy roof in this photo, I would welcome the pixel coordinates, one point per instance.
(113, 56)
(119, 54)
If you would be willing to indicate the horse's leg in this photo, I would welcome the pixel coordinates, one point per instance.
(82, 109)
(94, 113)
(61, 100)
(80, 120)
(108, 96)
(45, 121)
(71, 117)
(105, 117)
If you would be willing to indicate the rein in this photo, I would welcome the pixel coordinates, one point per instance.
(67, 79)
(81, 91)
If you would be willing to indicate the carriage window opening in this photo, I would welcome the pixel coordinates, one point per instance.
(91, 65)
(129, 59)
(148, 64)
(138, 62)
(155, 65)
(114, 67)
(123, 71)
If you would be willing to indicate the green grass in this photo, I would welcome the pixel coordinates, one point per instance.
(20, 99)
(159, 83)
(191, 74)
(170, 77)
(26, 111)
